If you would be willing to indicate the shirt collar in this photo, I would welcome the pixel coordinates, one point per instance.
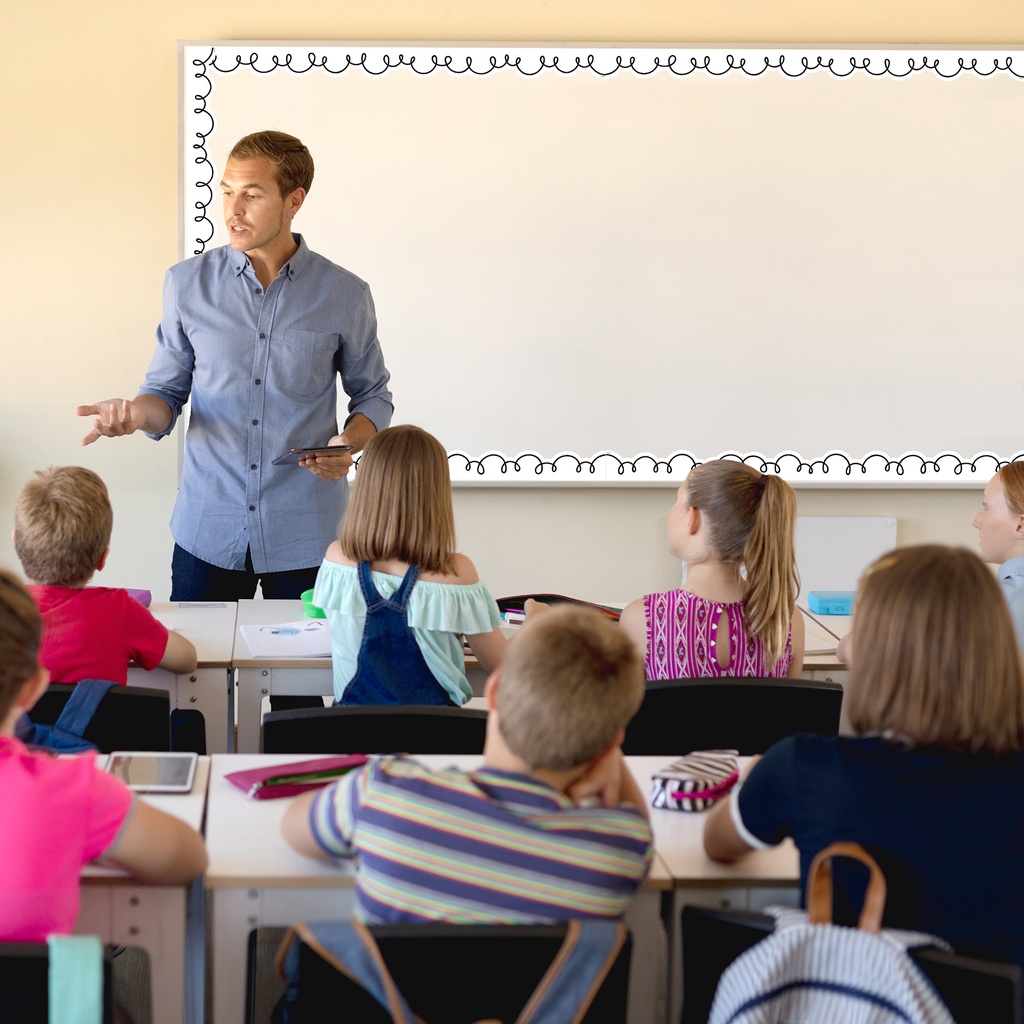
(294, 266)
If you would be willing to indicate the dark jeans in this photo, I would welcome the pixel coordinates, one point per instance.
(192, 579)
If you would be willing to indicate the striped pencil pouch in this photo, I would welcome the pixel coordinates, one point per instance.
(695, 781)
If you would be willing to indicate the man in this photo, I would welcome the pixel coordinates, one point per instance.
(256, 333)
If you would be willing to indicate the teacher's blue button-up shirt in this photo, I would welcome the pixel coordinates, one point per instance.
(261, 369)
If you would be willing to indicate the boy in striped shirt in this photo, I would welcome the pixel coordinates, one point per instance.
(551, 827)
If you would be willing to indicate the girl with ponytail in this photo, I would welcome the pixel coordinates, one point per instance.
(736, 613)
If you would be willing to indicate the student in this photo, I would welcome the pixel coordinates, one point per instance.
(395, 592)
(932, 783)
(736, 613)
(552, 826)
(1000, 526)
(62, 525)
(59, 813)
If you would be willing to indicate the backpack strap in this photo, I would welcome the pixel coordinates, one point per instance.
(82, 704)
(819, 886)
(75, 979)
(569, 985)
(350, 948)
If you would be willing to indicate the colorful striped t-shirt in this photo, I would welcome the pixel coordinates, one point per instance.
(478, 847)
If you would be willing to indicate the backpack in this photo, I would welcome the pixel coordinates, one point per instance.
(562, 996)
(67, 734)
(809, 969)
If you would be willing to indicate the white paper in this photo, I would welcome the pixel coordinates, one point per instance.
(306, 638)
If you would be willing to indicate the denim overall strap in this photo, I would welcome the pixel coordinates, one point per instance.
(391, 668)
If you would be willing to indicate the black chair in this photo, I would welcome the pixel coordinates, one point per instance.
(128, 717)
(24, 971)
(454, 973)
(375, 729)
(747, 715)
(976, 991)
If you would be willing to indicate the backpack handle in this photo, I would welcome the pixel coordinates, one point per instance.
(819, 886)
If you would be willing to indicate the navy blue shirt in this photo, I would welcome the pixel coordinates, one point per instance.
(262, 369)
(946, 828)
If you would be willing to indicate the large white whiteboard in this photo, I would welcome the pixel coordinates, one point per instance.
(627, 261)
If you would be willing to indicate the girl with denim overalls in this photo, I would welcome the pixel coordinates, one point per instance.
(397, 595)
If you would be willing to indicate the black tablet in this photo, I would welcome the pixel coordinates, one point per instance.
(294, 454)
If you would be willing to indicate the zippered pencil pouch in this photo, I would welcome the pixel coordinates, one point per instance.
(695, 781)
(280, 780)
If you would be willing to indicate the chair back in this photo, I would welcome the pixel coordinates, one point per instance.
(455, 974)
(128, 717)
(975, 991)
(747, 715)
(24, 983)
(375, 729)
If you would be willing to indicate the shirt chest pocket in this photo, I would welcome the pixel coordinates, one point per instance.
(302, 363)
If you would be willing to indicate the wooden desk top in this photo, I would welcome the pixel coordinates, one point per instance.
(209, 625)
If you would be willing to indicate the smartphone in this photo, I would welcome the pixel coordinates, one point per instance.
(154, 772)
(294, 454)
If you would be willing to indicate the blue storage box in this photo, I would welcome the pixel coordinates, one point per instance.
(831, 602)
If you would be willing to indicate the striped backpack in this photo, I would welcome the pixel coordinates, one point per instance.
(810, 970)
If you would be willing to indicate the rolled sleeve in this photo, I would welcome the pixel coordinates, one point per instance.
(364, 376)
(761, 806)
(170, 373)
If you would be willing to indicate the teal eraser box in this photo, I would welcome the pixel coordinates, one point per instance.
(830, 602)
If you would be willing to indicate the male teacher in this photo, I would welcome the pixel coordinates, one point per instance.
(257, 332)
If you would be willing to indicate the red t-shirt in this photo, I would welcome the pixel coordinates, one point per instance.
(93, 632)
(57, 814)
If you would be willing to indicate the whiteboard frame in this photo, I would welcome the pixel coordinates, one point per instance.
(200, 62)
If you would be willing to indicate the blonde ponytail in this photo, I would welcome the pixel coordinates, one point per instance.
(751, 520)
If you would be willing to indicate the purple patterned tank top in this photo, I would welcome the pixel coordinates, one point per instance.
(682, 639)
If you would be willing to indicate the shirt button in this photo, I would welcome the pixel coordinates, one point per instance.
(258, 381)
(263, 337)
(255, 423)
(252, 465)
(252, 508)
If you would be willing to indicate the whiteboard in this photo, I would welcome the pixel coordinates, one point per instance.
(599, 264)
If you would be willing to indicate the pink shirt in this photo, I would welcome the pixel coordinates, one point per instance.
(682, 640)
(56, 814)
(93, 632)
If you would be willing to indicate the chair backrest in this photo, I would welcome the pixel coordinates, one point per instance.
(455, 974)
(747, 715)
(128, 717)
(976, 991)
(373, 729)
(24, 983)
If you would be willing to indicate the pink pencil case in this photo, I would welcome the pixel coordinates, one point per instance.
(695, 781)
(295, 777)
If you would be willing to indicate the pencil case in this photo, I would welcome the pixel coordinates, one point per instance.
(695, 781)
(296, 777)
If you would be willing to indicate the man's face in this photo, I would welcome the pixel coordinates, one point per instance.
(257, 216)
(997, 526)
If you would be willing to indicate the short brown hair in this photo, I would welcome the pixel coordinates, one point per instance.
(1011, 476)
(401, 502)
(569, 682)
(62, 525)
(935, 658)
(293, 164)
(751, 519)
(20, 632)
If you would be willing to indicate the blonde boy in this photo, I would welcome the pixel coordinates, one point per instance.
(552, 826)
(62, 526)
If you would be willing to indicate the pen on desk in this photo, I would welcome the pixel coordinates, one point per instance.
(814, 618)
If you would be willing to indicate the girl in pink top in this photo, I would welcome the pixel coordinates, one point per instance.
(736, 614)
(59, 813)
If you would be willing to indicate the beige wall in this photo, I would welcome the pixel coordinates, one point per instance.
(89, 187)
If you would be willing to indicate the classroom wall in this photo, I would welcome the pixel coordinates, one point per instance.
(90, 111)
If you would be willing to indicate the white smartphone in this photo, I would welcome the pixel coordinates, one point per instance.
(153, 771)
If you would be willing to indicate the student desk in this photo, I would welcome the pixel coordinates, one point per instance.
(210, 689)
(165, 920)
(255, 879)
(764, 877)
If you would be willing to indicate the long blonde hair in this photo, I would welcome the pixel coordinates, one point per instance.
(751, 519)
(401, 503)
(935, 657)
